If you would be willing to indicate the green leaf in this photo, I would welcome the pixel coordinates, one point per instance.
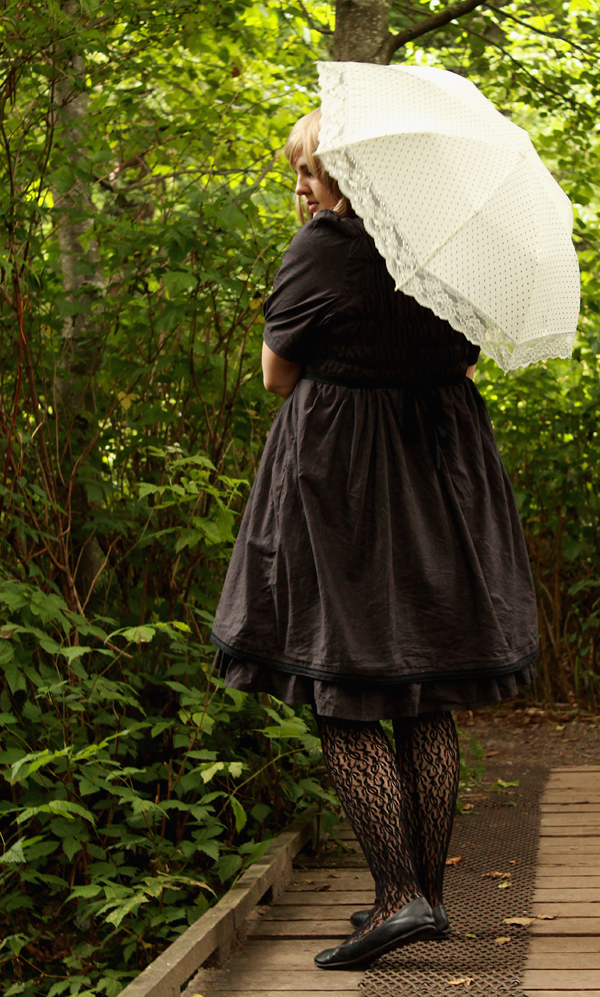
(72, 653)
(14, 854)
(178, 280)
(227, 866)
(260, 812)
(239, 814)
(70, 810)
(137, 635)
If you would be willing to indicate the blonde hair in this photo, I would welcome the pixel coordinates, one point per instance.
(303, 140)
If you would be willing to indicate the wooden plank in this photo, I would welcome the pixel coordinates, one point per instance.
(545, 841)
(297, 993)
(579, 797)
(564, 960)
(273, 955)
(567, 926)
(567, 993)
(564, 792)
(331, 875)
(576, 768)
(562, 872)
(573, 778)
(586, 910)
(550, 881)
(360, 898)
(570, 808)
(280, 982)
(574, 868)
(564, 894)
(573, 818)
(299, 912)
(321, 929)
(579, 831)
(568, 846)
(560, 979)
(573, 945)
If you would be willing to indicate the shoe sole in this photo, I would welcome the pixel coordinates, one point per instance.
(419, 934)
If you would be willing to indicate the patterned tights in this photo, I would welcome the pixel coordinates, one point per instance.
(400, 806)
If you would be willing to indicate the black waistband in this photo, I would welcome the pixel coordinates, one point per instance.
(411, 385)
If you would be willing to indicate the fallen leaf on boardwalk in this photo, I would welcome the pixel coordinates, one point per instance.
(321, 889)
(470, 936)
(502, 940)
(495, 875)
(468, 806)
(490, 754)
(524, 921)
(462, 981)
(503, 886)
(506, 785)
(455, 860)
(512, 861)
(546, 917)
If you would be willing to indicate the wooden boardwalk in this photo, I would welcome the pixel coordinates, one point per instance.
(312, 914)
(564, 953)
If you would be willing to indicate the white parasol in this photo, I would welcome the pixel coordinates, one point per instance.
(468, 218)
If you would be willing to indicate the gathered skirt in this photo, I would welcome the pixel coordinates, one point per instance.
(379, 574)
(359, 702)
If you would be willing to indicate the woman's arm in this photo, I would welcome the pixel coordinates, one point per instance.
(279, 375)
(471, 370)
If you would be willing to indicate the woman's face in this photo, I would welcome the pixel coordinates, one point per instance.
(316, 195)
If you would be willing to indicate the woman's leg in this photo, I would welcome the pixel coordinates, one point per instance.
(364, 772)
(428, 759)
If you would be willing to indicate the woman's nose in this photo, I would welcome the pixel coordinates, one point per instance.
(302, 186)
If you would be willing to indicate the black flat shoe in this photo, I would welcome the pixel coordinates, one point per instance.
(439, 915)
(411, 923)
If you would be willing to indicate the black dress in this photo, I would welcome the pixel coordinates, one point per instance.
(380, 568)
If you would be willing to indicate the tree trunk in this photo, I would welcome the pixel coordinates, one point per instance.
(362, 31)
(82, 280)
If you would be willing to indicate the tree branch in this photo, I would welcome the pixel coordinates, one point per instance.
(571, 102)
(431, 23)
(315, 25)
(539, 31)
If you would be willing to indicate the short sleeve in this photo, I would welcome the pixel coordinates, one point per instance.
(473, 354)
(308, 286)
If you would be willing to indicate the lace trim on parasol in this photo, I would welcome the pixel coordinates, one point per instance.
(401, 262)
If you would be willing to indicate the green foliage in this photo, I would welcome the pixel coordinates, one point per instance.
(145, 212)
(138, 789)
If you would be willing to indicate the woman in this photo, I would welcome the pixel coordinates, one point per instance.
(380, 569)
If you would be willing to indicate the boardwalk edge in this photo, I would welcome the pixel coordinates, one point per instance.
(219, 927)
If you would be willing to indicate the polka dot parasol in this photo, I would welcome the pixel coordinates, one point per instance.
(468, 218)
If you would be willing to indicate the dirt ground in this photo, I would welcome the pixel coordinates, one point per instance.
(513, 730)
